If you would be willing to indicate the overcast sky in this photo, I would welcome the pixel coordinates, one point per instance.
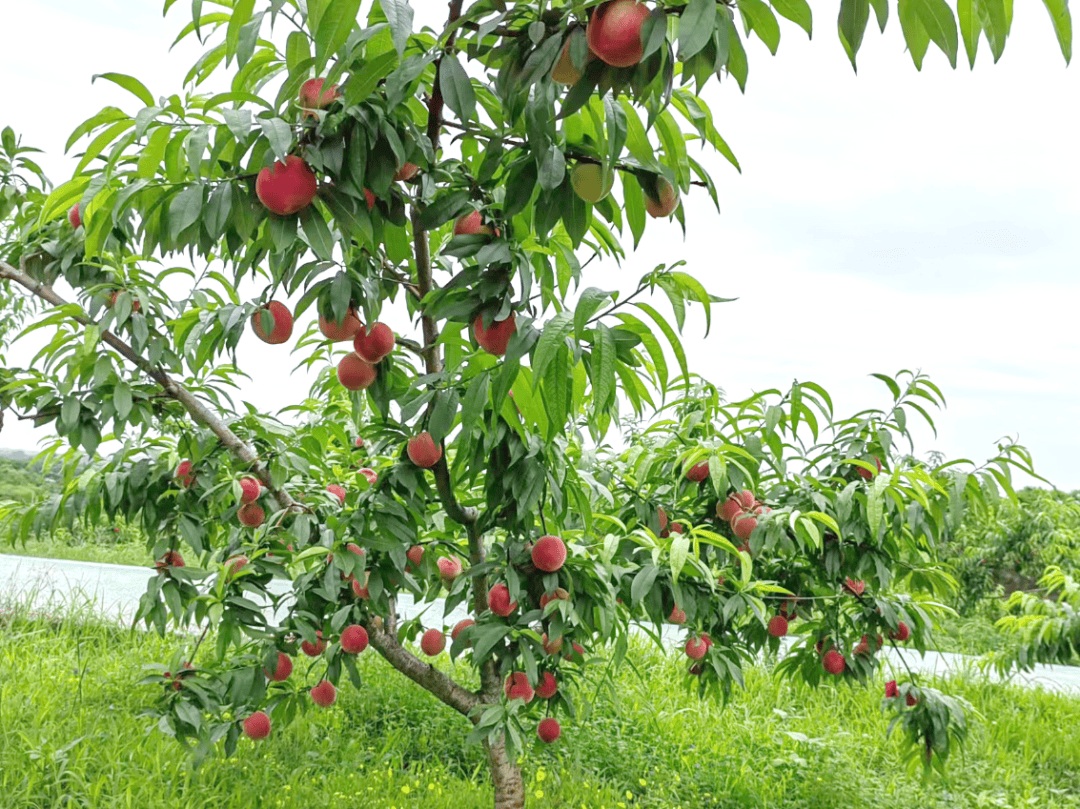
(891, 220)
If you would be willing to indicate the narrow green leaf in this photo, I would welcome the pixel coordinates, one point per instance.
(279, 134)
(589, 302)
(335, 25)
(184, 209)
(317, 233)
(603, 368)
(995, 17)
(151, 156)
(915, 33)
(240, 15)
(553, 336)
(1062, 20)
(696, 25)
(456, 87)
(552, 168)
(798, 11)
(129, 83)
(669, 333)
(400, 16)
(851, 24)
(296, 50)
(937, 18)
(763, 21)
(970, 27)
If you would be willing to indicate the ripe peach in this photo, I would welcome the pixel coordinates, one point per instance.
(358, 591)
(547, 686)
(564, 71)
(355, 373)
(324, 694)
(499, 600)
(496, 337)
(902, 633)
(314, 649)
(667, 201)
(449, 569)
(423, 451)
(257, 726)
(339, 332)
(854, 587)
(866, 474)
(472, 224)
(548, 730)
(415, 554)
(433, 642)
(517, 686)
(337, 490)
(677, 616)
(833, 662)
(170, 559)
(283, 323)
(778, 626)
(369, 475)
(184, 474)
(354, 639)
(698, 472)
(375, 343)
(250, 489)
(696, 648)
(234, 565)
(549, 554)
(283, 669)
(559, 594)
(744, 526)
(313, 97)
(614, 32)
(74, 218)
(662, 517)
(251, 514)
(551, 647)
(359, 441)
(369, 198)
(136, 306)
(890, 689)
(406, 172)
(460, 627)
(286, 187)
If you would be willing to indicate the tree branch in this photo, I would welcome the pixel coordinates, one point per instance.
(196, 409)
(421, 673)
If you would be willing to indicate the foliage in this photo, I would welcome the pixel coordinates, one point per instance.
(1007, 546)
(146, 346)
(1046, 625)
(70, 727)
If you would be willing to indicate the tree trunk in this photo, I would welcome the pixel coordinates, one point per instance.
(505, 777)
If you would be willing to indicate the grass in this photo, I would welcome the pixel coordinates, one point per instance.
(71, 736)
(117, 545)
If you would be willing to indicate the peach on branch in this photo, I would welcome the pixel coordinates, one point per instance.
(251, 514)
(250, 489)
(460, 627)
(499, 600)
(472, 224)
(589, 183)
(696, 648)
(433, 642)
(369, 475)
(867, 474)
(283, 323)
(257, 726)
(375, 343)
(698, 472)
(902, 633)
(549, 554)
(495, 338)
(548, 730)
(564, 71)
(547, 686)
(337, 491)
(313, 97)
(406, 172)
(551, 647)
(449, 569)
(234, 565)
(614, 32)
(324, 694)
(666, 201)
(74, 218)
(678, 616)
(282, 670)
(286, 188)
(518, 687)
(355, 373)
(833, 662)
(184, 474)
(314, 649)
(559, 594)
(778, 626)
(339, 332)
(423, 451)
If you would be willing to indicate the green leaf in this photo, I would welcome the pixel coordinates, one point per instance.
(184, 209)
(851, 24)
(151, 156)
(881, 9)
(129, 83)
(336, 23)
(937, 18)
(1062, 20)
(443, 414)
(122, 399)
(552, 168)
(363, 83)
(680, 550)
(696, 26)
(798, 11)
(444, 208)
(669, 333)
(456, 88)
(317, 233)
(643, 582)
(736, 62)
(240, 15)
(279, 134)
(603, 368)
(970, 27)
(400, 16)
(551, 339)
(297, 50)
(589, 302)
(633, 205)
(763, 21)
(915, 33)
(995, 18)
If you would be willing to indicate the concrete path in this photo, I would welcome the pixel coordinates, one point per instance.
(114, 591)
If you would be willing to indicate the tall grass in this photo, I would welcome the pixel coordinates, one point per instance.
(71, 736)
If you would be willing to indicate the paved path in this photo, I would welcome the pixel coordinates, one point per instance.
(114, 591)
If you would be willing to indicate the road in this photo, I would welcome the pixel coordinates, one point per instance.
(52, 585)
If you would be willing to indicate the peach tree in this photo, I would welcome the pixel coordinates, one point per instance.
(415, 210)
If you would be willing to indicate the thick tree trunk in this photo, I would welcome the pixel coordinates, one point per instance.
(506, 777)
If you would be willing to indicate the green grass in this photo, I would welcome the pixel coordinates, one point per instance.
(71, 736)
(117, 545)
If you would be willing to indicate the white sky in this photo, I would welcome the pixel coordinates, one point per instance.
(885, 221)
